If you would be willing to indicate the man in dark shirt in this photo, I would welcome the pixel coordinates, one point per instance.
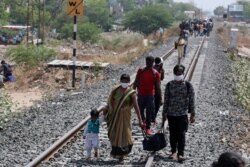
(178, 102)
(158, 100)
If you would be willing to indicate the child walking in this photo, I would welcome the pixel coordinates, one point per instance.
(91, 133)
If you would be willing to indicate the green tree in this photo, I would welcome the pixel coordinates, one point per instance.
(89, 32)
(218, 11)
(243, 2)
(3, 14)
(164, 1)
(63, 19)
(177, 10)
(148, 19)
(180, 16)
(246, 8)
(98, 12)
(31, 55)
(247, 11)
(66, 31)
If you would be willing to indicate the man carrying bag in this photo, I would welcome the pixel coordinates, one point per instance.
(178, 102)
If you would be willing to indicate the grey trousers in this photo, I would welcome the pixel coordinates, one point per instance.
(1, 81)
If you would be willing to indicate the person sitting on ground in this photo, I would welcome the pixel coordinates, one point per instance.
(6, 69)
(229, 159)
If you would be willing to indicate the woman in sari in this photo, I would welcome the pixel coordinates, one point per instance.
(118, 116)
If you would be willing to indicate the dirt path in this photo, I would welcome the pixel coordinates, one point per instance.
(24, 99)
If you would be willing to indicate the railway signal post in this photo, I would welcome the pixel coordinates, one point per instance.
(75, 8)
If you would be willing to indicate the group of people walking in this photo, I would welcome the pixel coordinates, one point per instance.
(198, 27)
(145, 96)
(187, 29)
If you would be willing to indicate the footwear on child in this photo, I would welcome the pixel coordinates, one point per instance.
(96, 155)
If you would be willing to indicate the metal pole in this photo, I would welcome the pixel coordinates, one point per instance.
(74, 52)
(39, 19)
(27, 38)
(43, 20)
(32, 20)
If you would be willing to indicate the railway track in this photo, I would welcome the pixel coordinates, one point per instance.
(70, 137)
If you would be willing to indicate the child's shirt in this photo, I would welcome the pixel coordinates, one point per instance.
(93, 126)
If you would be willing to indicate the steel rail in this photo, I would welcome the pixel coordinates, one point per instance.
(61, 142)
(188, 77)
(189, 74)
(167, 54)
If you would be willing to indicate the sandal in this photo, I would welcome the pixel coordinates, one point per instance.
(180, 159)
(121, 159)
(96, 155)
(172, 156)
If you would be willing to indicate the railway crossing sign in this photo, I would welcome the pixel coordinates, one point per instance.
(75, 7)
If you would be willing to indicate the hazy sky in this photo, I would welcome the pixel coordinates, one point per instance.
(209, 5)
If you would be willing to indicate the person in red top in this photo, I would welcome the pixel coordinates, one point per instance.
(147, 83)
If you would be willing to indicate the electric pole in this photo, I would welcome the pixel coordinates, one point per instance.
(39, 19)
(27, 29)
(43, 21)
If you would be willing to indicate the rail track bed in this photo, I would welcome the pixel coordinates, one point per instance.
(33, 131)
(141, 157)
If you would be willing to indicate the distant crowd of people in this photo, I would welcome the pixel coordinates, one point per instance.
(193, 27)
(198, 27)
(12, 39)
